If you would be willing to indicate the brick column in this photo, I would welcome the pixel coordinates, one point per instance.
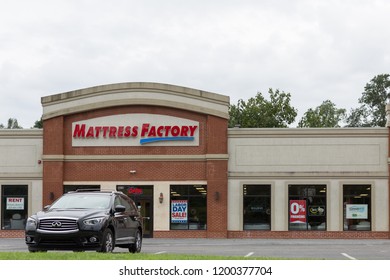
(216, 199)
(217, 178)
(53, 168)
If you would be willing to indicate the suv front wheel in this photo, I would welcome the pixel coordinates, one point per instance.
(136, 246)
(107, 242)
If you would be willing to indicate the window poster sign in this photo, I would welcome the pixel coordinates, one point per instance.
(179, 213)
(356, 211)
(297, 211)
(15, 203)
(316, 210)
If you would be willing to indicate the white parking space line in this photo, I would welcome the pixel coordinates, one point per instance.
(249, 254)
(348, 256)
(161, 252)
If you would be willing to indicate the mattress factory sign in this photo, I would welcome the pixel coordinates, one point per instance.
(135, 130)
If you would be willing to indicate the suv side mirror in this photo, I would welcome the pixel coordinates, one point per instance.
(120, 208)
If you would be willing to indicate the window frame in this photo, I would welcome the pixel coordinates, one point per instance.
(194, 195)
(359, 223)
(313, 214)
(264, 207)
(7, 221)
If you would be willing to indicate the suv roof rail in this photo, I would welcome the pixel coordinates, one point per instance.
(86, 190)
(93, 190)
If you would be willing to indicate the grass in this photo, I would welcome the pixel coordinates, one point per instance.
(114, 256)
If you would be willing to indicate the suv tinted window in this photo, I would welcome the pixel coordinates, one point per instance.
(82, 201)
(126, 204)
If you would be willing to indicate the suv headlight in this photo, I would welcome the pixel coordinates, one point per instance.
(94, 221)
(31, 223)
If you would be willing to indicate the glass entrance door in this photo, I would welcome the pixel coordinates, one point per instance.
(145, 207)
(143, 198)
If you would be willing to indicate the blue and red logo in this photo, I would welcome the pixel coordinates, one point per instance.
(148, 133)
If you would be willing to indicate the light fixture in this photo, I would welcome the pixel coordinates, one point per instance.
(133, 171)
(161, 198)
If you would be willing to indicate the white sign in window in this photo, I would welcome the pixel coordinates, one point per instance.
(356, 211)
(15, 203)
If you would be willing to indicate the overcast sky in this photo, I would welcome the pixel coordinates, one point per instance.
(315, 50)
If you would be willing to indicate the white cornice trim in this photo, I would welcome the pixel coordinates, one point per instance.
(122, 94)
(33, 133)
(135, 157)
(307, 132)
(307, 175)
(21, 176)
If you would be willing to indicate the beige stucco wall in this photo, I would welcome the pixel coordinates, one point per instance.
(20, 152)
(333, 157)
(20, 162)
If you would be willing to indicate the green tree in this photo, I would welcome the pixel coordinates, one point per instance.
(12, 124)
(325, 115)
(38, 124)
(372, 110)
(260, 112)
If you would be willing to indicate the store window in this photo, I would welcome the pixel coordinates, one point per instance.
(307, 207)
(357, 207)
(188, 207)
(257, 207)
(14, 201)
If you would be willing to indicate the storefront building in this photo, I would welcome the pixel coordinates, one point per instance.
(20, 178)
(308, 183)
(169, 148)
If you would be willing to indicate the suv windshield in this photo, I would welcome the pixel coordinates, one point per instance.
(80, 201)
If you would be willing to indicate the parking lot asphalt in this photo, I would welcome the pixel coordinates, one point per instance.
(329, 249)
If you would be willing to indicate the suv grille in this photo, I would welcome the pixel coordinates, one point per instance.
(58, 225)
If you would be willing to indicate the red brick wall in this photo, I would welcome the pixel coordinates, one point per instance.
(212, 140)
(11, 233)
(277, 234)
(217, 135)
(248, 234)
(310, 234)
(146, 171)
(52, 181)
(53, 138)
(53, 144)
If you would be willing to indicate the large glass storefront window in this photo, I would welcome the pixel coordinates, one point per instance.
(357, 207)
(14, 206)
(257, 207)
(188, 207)
(307, 207)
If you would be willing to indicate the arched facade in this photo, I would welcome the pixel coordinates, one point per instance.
(152, 141)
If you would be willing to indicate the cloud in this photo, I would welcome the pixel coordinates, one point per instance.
(316, 50)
